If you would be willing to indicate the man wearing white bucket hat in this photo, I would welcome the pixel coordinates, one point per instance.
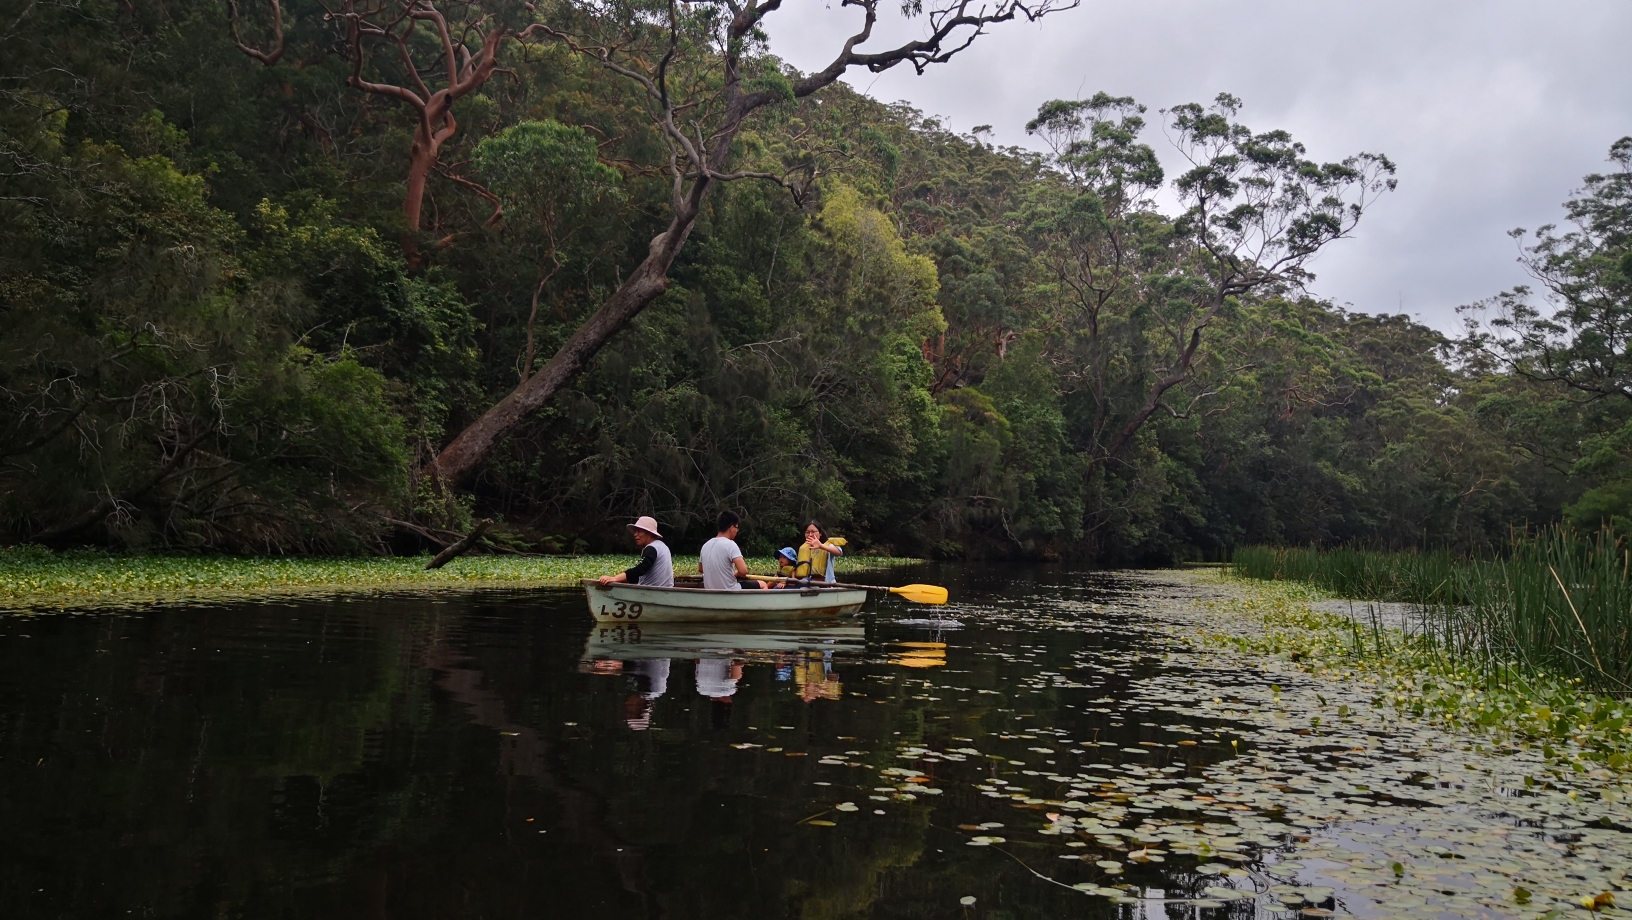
(655, 567)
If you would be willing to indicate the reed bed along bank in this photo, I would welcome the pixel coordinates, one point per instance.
(32, 577)
(1573, 727)
(1557, 602)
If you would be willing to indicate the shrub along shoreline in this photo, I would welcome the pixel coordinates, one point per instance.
(32, 578)
(1419, 676)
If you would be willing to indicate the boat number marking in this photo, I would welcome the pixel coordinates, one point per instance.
(621, 633)
(621, 610)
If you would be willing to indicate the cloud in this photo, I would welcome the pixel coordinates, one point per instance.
(1493, 110)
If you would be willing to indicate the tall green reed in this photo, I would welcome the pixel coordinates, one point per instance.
(1413, 577)
(1558, 601)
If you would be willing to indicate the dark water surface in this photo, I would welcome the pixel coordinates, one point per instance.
(497, 755)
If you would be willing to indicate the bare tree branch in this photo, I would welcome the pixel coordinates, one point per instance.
(265, 57)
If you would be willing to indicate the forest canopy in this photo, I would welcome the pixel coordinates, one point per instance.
(279, 277)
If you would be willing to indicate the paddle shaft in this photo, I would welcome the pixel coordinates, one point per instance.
(819, 584)
(921, 594)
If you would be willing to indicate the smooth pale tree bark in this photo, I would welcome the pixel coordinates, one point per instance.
(265, 57)
(699, 160)
(465, 72)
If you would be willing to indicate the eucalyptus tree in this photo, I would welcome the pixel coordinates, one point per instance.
(702, 74)
(1256, 212)
(1572, 339)
(1581, 336)
(1096, 233)
(1141, 290)
(428, 69)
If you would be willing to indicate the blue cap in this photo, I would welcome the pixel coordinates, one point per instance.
(787, 552)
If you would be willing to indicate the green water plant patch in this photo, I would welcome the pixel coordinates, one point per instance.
(1415, 675)
(32, 577)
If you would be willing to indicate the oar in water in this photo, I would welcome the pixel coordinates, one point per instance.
(918, 594)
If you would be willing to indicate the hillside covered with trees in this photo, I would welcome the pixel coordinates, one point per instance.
(292, 278)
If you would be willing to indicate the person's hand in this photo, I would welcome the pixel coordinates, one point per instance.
(605, 580)
(812, 542)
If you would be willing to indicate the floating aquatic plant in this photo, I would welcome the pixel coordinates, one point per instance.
(36, 577)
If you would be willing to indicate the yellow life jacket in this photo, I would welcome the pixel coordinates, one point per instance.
(816, 564)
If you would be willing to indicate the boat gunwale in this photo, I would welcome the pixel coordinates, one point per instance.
(804, 590)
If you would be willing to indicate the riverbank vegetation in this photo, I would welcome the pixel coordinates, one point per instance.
(1416, 675)
(31, 577)
(342, 280)
(1556, 602)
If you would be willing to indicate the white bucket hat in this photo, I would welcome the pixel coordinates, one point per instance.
(646, 523)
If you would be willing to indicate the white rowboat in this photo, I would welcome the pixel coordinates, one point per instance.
(626, 603)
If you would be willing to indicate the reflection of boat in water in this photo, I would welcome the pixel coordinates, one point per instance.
(629, 641)
(647, 603)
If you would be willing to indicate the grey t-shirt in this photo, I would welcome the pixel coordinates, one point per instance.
(716, 557)
(714, 678)
(655, 567)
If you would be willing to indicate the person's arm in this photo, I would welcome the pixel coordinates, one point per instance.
(648, 561)
(648, 558)
(741, 566)
(832, 549)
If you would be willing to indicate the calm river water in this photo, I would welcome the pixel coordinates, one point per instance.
(496, 755)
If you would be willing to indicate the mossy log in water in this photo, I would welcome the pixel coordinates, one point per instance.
(34, 577)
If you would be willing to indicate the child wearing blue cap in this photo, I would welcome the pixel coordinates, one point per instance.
(786, 560)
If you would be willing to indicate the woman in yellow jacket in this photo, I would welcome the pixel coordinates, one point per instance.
(815, 558)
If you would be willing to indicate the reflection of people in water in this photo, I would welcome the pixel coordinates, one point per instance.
(811, 673)
(651, 680)
(815, 678)
(717, 679)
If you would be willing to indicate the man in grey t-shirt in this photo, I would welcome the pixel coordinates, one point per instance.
(721, 561)
(656, 567)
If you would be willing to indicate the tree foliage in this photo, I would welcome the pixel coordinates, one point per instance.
(227, 327)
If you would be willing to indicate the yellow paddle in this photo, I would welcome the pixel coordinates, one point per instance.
(918, 594)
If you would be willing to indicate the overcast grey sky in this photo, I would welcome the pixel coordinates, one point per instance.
(1493, 110)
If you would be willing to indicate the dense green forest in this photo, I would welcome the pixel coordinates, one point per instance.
(291, 278)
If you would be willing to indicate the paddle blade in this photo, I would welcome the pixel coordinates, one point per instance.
(922, 594)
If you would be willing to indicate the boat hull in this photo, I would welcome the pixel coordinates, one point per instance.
(626, 603)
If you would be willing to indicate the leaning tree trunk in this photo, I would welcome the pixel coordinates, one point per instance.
(644, 285)
(704, 164)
